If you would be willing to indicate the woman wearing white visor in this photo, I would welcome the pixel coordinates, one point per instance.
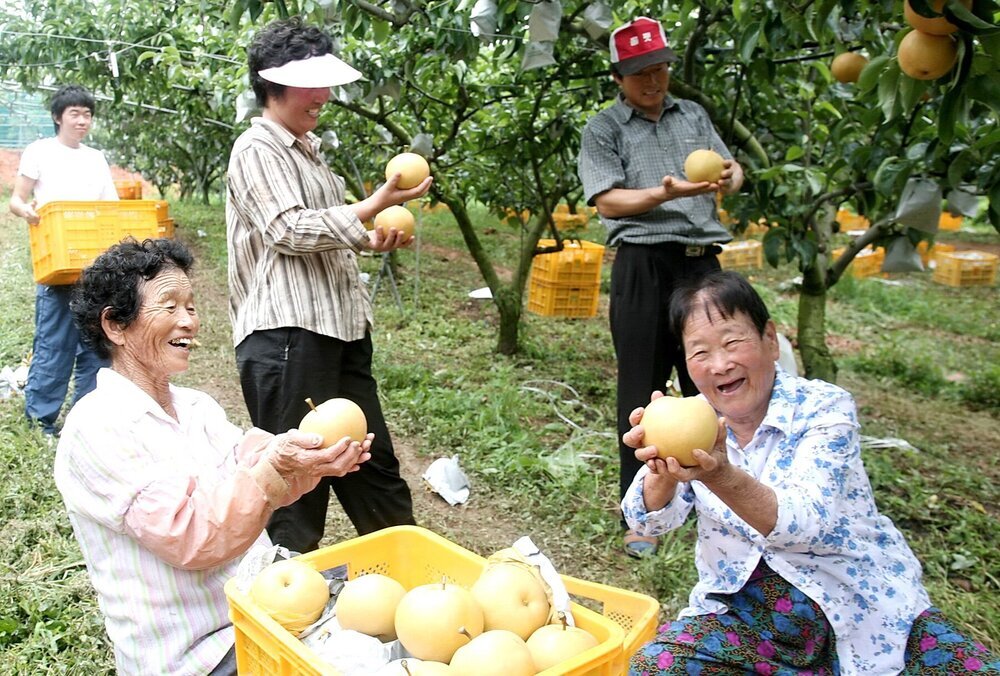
(301, 315)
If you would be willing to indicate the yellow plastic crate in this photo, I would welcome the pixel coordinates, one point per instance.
(416, 556)
(561, 300)
(867, 263)
(949, 222)
(568, 221)
(72, 234)
(928, 252)
(966, 268)
(166, 228)
(852, 221)
(745, 254)
(128, 189)
(578, 264)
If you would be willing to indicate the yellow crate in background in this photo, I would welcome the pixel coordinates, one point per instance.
(72, 234)
(568, 221)
(416, 556)
(867, 263)
(128, 189)
(851, 221)
(578, 264)
(966, 268)
(743, 254)
(929, 253)
(949, 222)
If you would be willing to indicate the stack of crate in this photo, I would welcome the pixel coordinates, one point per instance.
(166, 224)
(566, 283)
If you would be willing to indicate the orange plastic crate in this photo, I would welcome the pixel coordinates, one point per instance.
(416, 556)
(966, 268)
(166, 228)
(72, 234)
(744, 254)
(129, 189)
(950, 222)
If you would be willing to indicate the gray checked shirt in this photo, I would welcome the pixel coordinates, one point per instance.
(292, 245)
(621, 148)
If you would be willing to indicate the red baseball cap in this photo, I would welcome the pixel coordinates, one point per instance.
(638, 44)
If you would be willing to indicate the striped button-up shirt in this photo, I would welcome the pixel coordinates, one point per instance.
(292, 245)
(622, 148)
(162, 510)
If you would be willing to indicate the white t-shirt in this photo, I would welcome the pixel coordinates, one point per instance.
(64, 173)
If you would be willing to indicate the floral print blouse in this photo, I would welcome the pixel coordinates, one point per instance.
(830, 541)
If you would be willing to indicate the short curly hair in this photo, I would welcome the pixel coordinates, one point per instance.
(278, 43)
(113, 282)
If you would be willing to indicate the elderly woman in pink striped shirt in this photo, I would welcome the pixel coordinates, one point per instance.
(164, 493)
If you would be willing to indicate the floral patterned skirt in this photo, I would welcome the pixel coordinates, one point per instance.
(773, 628)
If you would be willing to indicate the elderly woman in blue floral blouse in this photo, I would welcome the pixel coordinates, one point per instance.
(797, 570)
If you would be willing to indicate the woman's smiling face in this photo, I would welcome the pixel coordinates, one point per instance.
(159, 340)
(731, 362)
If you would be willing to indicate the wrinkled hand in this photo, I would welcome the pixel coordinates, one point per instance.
(298, 454)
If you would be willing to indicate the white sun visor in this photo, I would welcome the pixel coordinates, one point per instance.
(313, 72)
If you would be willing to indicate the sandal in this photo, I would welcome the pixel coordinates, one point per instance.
(639, 546)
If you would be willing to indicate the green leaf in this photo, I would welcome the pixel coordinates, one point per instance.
(887, 91)
(952, 107)
(891, 173)
(794, 153)
(236, 13)
(380, 30)
(966, 20)
(749, 40)
(774, 238)
(872, 72)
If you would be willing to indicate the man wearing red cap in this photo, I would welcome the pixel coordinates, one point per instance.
(666, 229)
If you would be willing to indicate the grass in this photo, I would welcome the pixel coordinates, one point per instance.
(535, 431)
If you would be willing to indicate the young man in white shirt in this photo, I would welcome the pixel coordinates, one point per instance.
(51, 169)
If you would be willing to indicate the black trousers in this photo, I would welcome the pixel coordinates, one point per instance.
(642, 278)
(279, 368)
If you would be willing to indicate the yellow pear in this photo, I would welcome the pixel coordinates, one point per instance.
(936, 26)
(923, 56)
(703, 165)
(677, 426)
(847, 67)
(396, 217)
(412, 168)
